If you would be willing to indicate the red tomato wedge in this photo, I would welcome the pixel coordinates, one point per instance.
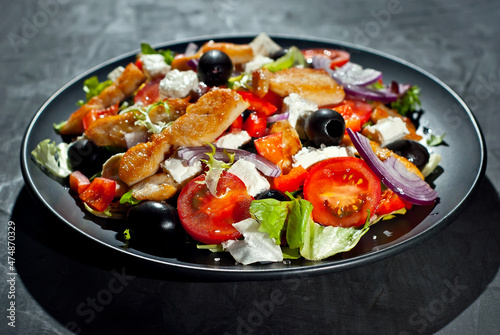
(209, 219)
(149, 93)
(100, 193)
(338, 57)
(78, 182)
(257, 104)
(270, 147)
(256, 124)
(389, 203)
(342, 190)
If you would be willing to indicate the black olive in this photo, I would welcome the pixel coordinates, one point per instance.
(272, 194)
(325, 126)
(153, 221)
(277, 54)
(87, 157)
(214, 68)
(411, 150)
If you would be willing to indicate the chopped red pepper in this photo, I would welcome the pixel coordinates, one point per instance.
(256, 124)
(291, 181)
(78, 182)
(257, 104)
(270, 147)
(100, 193)
(389, 202)
(95, 114)
(237, 125)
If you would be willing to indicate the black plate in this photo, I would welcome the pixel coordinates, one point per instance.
(463, 165)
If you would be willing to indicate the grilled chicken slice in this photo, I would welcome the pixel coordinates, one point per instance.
(130, 80)
(290, 144)
(158, 187)
(111, 130)
(311, 84)
(203, 122)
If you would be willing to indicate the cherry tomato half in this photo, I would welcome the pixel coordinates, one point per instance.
(342, 190)
(256, 124)
(208, 219)
(355, 112)
(338, 57)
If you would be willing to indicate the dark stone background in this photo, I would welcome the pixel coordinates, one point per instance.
(448, 285)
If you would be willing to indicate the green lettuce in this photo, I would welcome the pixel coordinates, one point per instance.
(215, 169)
(53, 157)
(271, 215)
(168, 55)
(128, 198)
(93, 87)
(293, 57)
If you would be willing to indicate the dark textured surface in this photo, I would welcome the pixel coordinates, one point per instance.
(447, 285)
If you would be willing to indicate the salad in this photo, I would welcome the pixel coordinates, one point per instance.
(265, 152)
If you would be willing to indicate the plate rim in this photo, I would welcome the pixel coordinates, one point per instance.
(222, 273)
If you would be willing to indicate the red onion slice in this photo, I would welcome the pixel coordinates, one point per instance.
(194, 154)
(354, 74)
(394, 174)
(278, 117)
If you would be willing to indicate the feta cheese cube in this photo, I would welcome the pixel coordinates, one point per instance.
(178, 84)
(154, 65)
(179, 170)
(308, 156)
(299, 109)
(248, 173)
(256, 63)
(387, 130)
(116, 73)
(233, 140)
(263, 45)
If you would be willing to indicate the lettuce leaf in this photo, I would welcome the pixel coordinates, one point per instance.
(215, 169)
(53, 157)
(168, 55)
(128, 198)
(271, 214)
(321, 242)
(298, 218)
(93, 87)
(293, 57)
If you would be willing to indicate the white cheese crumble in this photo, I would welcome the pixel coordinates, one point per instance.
(387, 130)
(256, 63)
(299, 109)
(250, 176)
(154, 65)
(255, 247)
(179, 170)
(233, 140)
(178, 84)
(308, 156)
(116, 73)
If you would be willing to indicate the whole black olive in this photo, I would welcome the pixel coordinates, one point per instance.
(214, 68)
(153, 221)
(411, 150)
(87, 157)
(272, 194)
(325, 126)
(277, 54)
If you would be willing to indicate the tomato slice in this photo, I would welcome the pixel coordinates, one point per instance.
(256, 124)
(149, 93)
(209, 219)
(99, 194)
(389, 203)
(338, 57)
(342, 190)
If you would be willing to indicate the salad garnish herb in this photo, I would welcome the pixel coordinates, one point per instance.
(147, 49)
(408, 102)
(436, 140)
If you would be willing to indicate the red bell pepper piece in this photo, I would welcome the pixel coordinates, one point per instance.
(389, 202)
(100, 193)
(291, 181)
(257, 104)
(256, 124)
(270, 147)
